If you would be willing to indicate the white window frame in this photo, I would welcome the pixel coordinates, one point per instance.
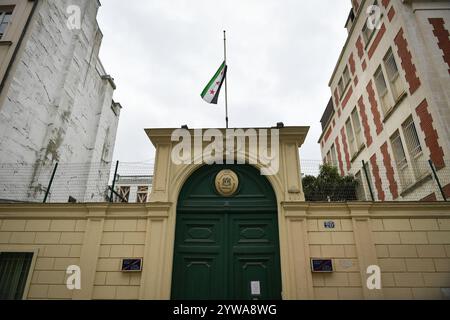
(357, 129)
(402, 162)
(414, 152)
(334, 159)
(3, 12)
(394, 80)
(384, 96)
(351, 140)
(354, 137)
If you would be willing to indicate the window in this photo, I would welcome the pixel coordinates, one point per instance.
(410, 161)
(390, 90)
(357, 128)
(354, 133)
(393, 75)
(124, 192)
(346, 77)
(414, 148)
(366, 31)
(344, 82)
(350, 137)
(401, 160)
(14, 271)
(5, 19)
(382, 89)
(142, 193)
(341, 88)
(334, 156)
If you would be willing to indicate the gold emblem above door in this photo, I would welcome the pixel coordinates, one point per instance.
(227, 183)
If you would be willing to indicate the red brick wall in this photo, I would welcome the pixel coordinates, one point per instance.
(365, 121)
(347, 97)
(374, 108)
(393, 187)
(431, 135)
(430, 198)
(407, 64)
(442, 35)
(376, 175)
(336, 98)
(447, 191)
(364, 65)
(339, 155)
(351, 62)
(355, 5)
(328, 134)
(391, 14)
(360, 47)
(347, 154)
(377, 40)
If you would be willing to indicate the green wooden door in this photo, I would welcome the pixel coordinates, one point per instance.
(226, 247)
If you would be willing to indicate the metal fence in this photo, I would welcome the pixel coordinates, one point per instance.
(132, 182)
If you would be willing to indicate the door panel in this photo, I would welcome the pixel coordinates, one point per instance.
(255, 256)
(199, 258)
(219, 256)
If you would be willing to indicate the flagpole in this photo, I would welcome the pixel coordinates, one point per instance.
(226, 78)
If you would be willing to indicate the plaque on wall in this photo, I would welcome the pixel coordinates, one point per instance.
(131, 265)
(322, 265)
(227, 183)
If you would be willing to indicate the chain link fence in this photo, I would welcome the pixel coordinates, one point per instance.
(132, 182)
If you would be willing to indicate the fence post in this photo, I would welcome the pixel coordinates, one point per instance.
(111, 199)
(50, 183)
(368, 181)
(437, 179)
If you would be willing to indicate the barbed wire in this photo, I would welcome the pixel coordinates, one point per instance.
(97, 182)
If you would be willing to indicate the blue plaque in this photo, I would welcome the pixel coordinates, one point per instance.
(132, 265)
(329, 224)
(322, 265)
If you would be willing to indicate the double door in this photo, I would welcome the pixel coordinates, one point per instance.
(226, 256)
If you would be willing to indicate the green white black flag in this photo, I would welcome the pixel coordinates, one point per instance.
(211, 92)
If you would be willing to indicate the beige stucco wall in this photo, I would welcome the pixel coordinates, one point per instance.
(409, 241)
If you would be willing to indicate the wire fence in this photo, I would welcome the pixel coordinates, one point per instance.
(132, 182)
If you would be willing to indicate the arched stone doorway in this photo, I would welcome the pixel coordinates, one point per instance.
(227, 247)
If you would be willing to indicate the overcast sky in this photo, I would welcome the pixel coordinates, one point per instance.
(281, 55)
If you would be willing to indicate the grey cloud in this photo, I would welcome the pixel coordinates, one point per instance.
(162, 53)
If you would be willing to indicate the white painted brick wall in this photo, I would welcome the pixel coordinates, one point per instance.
(58, 108)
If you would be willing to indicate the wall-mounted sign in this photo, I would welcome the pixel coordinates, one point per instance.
(322, 265)
(329, 225)
(255, 288)
(132, 265)
(227, 183)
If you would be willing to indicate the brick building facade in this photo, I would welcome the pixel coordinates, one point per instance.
(390, 105)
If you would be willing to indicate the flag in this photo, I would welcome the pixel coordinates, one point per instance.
(211, 92)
